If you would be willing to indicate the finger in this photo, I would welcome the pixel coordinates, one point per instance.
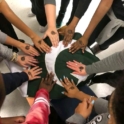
(30, 63)
(63, 84)
(72, 64)
(91, 105)
(37, 73)
(42, 80)
(54, 82)
(77, 62)
(83, 49)
(38, 70)
(47, 48)
(72, 68)
(47, 76)
(45, 35)
(66, 82)
(52, 41)
(73, 82)
(36, 77)
(33, 60)
(41, 50)
(65, 93)
(35, 51)
(35, 68)
(75, 72)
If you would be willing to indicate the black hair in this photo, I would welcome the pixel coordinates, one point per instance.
(118, 102)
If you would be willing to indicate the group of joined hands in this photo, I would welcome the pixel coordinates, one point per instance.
(29, 60)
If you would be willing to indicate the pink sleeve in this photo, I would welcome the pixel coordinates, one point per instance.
(40, 110)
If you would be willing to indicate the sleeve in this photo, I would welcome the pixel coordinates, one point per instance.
(50, 2)
(113, 62)
(5, 52)
(3, 37)
(76, 119)
(14, 80)
(40, 110)
(101, 106)
(82, 8)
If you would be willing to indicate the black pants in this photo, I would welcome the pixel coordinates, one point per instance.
(39, 10)
(64, 5)
(117, 36)
(6, 27)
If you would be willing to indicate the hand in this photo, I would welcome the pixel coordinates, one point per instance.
(79, 44)
(77, 67)
(70, 87)
(68, 35)
(13, 120)
(28, 49)
(48, 82)
(26, 61)
(42, 46)
(53, 35)
(84, 108)
(33, 73)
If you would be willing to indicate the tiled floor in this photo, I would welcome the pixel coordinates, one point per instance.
(14, 103)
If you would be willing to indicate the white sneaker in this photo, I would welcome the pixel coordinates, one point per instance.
(31, 14)
(42, 29)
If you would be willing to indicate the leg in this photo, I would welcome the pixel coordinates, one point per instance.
(40, 12)
(64, 4)
(75, 5)
(117, 36)
(65, 107)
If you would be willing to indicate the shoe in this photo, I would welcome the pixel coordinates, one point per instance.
(42, 29)
(31, 14)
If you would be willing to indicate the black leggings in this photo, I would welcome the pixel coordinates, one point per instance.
(64, 5)
(7, 28)
(39, 10)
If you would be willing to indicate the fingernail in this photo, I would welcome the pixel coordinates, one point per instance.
(72, 80)
(93, 102)
(63, 76)
(60, 79)
(62, 92)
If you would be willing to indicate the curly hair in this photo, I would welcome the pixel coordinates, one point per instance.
(118, 102)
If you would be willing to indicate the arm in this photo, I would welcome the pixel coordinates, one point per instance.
(113, 62)
(81, 9)
(102, 9)
(39, 111)
(14, 80)
(9, 14)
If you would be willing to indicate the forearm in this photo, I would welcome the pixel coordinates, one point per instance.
(14, 80)
(113, 62)
(13, 42)
(101, 11)
(9, 14)
(82, 8)
(51, 15)
(80, 96)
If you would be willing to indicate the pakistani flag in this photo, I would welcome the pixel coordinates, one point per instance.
(56, 62)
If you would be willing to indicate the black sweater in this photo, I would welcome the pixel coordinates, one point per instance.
(13, 80)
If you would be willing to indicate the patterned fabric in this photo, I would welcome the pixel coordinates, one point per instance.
(39, 112)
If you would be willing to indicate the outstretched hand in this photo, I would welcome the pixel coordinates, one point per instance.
(48, 82)
(33, 73)
(77, 67)
(79, 44)
(70, 87)
(53, 35)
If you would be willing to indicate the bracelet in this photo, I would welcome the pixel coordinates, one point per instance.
(14, 58)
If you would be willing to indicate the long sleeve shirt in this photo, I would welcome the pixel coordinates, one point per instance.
(14, 80)
(40, 110)
(113, 62)
(100, 107)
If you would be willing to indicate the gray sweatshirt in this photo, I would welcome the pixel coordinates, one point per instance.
(81, 8)
(100, 107)
(5, 52)
(113, 62)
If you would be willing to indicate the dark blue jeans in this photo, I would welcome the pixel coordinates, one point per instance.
(65, 107)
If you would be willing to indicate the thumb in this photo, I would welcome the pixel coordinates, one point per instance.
(45, 35)
(90, 107)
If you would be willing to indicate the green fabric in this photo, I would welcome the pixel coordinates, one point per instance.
(61, 69)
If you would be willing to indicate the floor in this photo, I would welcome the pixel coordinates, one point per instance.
(14, 103)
